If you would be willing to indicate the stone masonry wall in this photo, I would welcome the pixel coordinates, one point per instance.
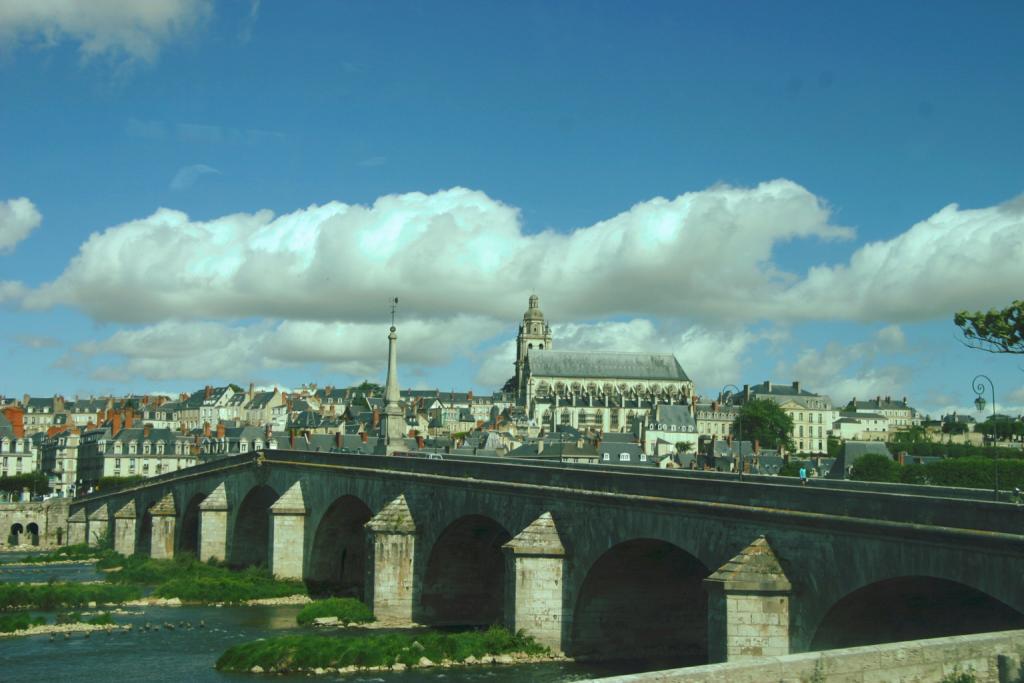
(992, 657)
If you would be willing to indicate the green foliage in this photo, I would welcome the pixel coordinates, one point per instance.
(765, 421)
(951, 427)
(959, 676)
(346, 609)
(80, 551)
(108, 484)
(914, 474)
(956, 450)
(908, 438)
(190, 580)
(975, 473)
(19, 622)
(1002, 427)
(57, 595)
(101, 619)
(997, 331)
(36, 482)
(834, 447)
(875, 467)
(288, 653)
(790, 469)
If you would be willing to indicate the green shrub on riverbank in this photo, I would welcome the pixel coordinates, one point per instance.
(188, 579)
(347, 610)
(311, 651)
(80, 551)
(57, 595)
(18, 622)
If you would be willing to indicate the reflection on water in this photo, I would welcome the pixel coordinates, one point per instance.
(177, 648)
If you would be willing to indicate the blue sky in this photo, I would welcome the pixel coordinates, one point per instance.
(196, 192)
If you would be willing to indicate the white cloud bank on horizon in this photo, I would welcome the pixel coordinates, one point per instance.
(703, 255)
(18, 218)
(102, 27)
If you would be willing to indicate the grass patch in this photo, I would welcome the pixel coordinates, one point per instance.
(80, 552)
(288, 653)
(18, 622)
(190, 580)
(346, 609)
(101, 619)
(54, 596)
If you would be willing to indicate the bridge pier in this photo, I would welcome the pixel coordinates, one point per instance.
(287, 534)
(393, 543)
(161, 545)
(748, 606)
(77, 524)
(213, 525)
(535, 569)
(99, 526)
(125, 523)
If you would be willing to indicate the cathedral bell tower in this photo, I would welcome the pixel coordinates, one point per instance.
(534, 333)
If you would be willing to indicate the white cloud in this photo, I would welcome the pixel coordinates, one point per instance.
(199, 349)
(33, 341)
(187, 176)
(11, 291)
(703, 253)
(956, 259)
(136, 30)
(18, 217)
(847, 371)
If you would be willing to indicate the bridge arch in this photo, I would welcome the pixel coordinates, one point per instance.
(15, 536)
(250, 540)
(338, 555)
(642, 598)
(464, 581)
(911, 608)
(188, 535)
(33, 533)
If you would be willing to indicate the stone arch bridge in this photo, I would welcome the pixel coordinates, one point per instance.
(592, 561)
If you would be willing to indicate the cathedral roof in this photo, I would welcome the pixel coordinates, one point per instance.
(605, 365)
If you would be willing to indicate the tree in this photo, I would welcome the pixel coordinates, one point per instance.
(763, 420)
(950, 427)
(905, 438)
(995, 331)
(875, 467)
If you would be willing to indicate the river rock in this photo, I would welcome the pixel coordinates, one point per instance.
(256, 669)
(424, 662)
(326, 621)
(471, 660)
(504, 659)
(398, 666)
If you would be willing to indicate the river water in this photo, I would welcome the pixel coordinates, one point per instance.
(188, 652)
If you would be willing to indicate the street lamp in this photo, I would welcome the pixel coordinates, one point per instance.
(979, 403)
(739, 424)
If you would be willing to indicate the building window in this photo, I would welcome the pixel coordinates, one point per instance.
(643, 457)
(606, 457)
(623, 457)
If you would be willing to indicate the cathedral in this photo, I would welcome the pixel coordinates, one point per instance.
(597, 390)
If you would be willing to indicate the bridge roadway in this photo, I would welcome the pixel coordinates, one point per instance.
(595, 561)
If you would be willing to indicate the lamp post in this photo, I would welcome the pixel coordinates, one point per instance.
(739, 424)
(979, 403)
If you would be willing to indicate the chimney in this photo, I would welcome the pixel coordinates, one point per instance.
(291, 438)
(208, 392)
(115, 427)
(796, 386)
(252, 390)
(220, 430)
(376, 417)
(746, 393)
(904, 400)
(420, 442)
(728, 440)
(206, 429)
(147, 429)
(757, 446)
(901, 457)
(337, 439)
(469, 395)
(878, 400)
(364, 436)
(768, 386)
(129, 418)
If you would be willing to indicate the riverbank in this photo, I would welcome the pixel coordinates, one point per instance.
(347, 652)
